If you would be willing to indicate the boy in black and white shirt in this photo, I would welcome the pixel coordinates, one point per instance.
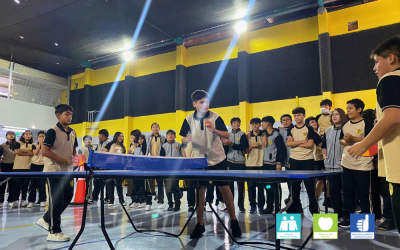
(204, 130)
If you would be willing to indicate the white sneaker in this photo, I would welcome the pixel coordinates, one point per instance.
(43, 204)
(148, 207)
(43, 224)
(134, 205)
(124, 203)
(111, 204)
(160, 206)
(142, 205)
(13, 204)
(59, 237)
(221, 206)
(24, 204)
(30, 205)
(208, 208)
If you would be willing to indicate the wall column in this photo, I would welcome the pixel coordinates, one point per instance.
(243, 82)
(180, 88)
(325, 57)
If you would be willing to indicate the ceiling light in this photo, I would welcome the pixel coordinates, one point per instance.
(57, 63)
(15, 129)
(240, 13)
(21, 37)
(127, 46)
(17, 1)
(240, 26)
(56, 44)
(127, 55)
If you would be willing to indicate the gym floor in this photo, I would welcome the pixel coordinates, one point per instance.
(19, 231)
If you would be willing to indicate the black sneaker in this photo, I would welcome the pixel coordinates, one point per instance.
(387, 225)
(106, 201)
(242, 210)
(253, 209)
(177, 207)
(345, 224)
(191, 209)
(287, 201)
(198, 231)
(170, 208)
(358, 209)
(236, 232)
(267, 211)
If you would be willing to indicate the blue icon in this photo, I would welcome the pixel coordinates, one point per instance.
(362, 226)
(288, 226)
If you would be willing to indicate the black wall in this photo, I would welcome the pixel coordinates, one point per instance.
(285, 73)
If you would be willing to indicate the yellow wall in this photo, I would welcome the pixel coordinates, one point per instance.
(211, 52)
(80, 79)
(369, 15)
(153, 64)
(286, 34)
(108, 74)
(64, 97)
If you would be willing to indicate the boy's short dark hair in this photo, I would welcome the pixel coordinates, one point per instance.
(62, 108)
(199, 94)
(255, 120)
(326, 102)
(87, 136)
(235, 119)
(369, 114)
(309, 119)
(155, 123)
(104, 132)
(357, 104)
(390, 46)
(41, 133)
(286, 115)
(269, 119)
(299, 110)
(170, 131)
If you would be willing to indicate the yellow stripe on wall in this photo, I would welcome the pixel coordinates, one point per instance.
(367, 96)
(211, 52)
(369, 15)
(107, 75)
(153, 64)
(283, 35)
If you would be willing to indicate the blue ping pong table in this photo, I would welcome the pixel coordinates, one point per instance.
(264, 176)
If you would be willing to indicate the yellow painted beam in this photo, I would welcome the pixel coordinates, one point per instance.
(89, 76)
(243, 43)
(179, 118)
(323, 25)
(329, 95)
(181, 55)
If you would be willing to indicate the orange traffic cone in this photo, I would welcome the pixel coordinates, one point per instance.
(80, 191)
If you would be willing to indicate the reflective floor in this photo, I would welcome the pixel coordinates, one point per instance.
(19, 231)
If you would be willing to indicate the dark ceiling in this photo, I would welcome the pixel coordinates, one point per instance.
(87, 29)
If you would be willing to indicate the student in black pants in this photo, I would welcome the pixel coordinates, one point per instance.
(103, 142)
(301, 138)
(7, 163)
(37, 165)
(59, 148)
(274, 155)
(236, 160)
(116, 146)
(356, 171)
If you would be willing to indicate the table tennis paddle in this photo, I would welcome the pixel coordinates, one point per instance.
(78, 160)
(373, 150)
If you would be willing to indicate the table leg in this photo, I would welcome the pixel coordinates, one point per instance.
(325, 195)
(276, 201)
(103, 226)
(83, 217)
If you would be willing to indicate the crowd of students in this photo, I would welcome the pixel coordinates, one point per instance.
(333, 141)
